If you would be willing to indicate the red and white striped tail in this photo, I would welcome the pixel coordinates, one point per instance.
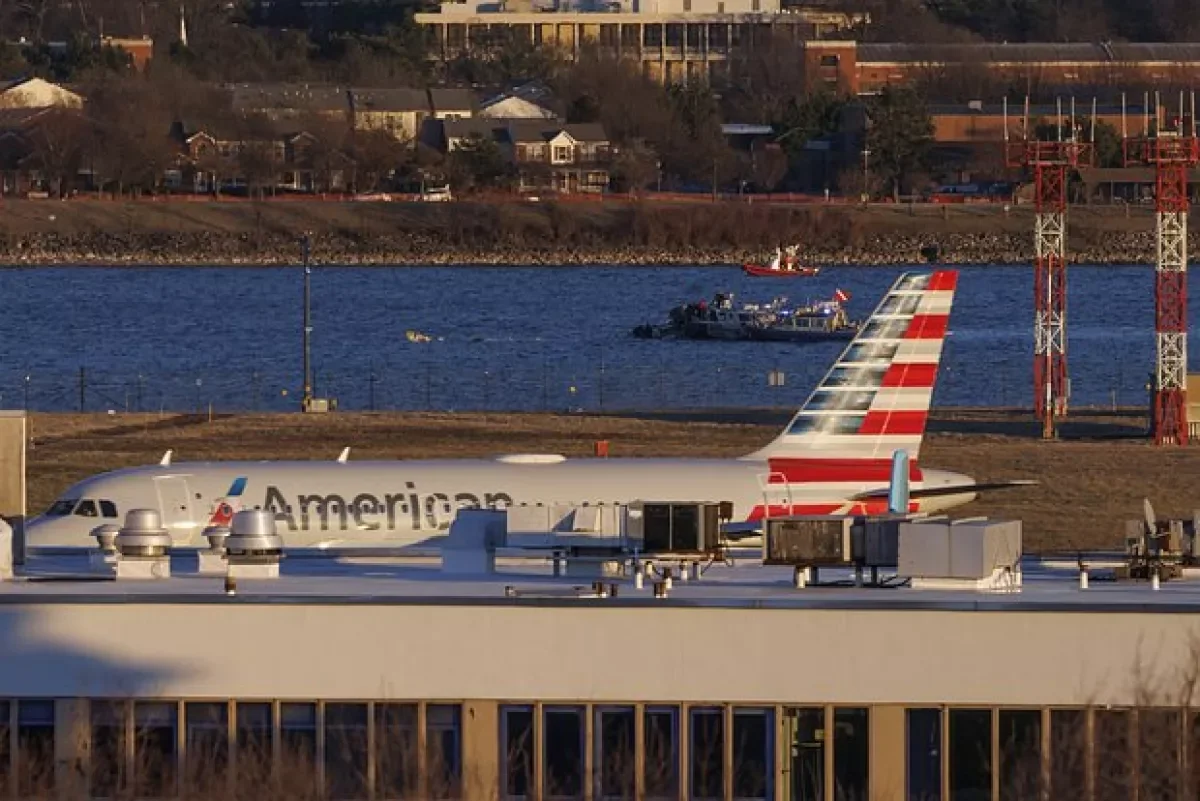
(875, 399)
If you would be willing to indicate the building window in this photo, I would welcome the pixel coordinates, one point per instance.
(1020, 754)
(561, 154)
(108, 719)
(206, 744)
(756, 5)
(807, 727)
(1159, 754)
(516, 757)
(253, 737)
(443, 749)
(687, 5)
(851, 753)
(346, 750)
(924, 743)
(1112, 754)
(396, 750)
(298, 743)
(614, 736)
(753, 753)
(35, 747)
(562, 752)
(707, 753)
(829, 60)
(661, 752)
(1068, 751)
(154, 748)
(970, 753)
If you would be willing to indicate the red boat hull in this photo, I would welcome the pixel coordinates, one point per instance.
(766, 272)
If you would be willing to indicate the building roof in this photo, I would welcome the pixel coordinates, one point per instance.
(442, 99)
(1032, 52)
(544, 131)
(399, 99)
(1049, 585)
(250, 97)
(475, 126)
(20, 118)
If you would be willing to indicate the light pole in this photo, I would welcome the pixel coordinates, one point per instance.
(866, 193)
(306, 399)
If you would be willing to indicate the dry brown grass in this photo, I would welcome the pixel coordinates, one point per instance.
(1091, 481)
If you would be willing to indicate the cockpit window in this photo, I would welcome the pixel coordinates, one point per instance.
(86, 508)
(108, 509)
(62, 507)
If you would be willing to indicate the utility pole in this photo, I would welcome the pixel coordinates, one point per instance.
(306, 399)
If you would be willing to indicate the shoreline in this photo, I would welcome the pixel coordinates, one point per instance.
(47, 233)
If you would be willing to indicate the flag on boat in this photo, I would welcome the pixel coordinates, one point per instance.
(841, 295)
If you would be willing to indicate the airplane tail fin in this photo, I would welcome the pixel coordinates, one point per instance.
(875, 399)
(225, 508)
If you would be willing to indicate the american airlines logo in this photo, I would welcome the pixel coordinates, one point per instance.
(367, 512)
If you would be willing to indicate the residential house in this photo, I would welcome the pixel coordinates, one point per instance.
(529, 101)
(140, 49)
(20, 170)
(36, 93)
(399, 111)
(216, 157)
(559, 157)
(448, 103)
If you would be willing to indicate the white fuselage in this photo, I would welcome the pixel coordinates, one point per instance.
(411, 503)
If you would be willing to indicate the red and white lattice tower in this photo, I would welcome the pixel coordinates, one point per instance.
(1172, 153)
(1050, 162)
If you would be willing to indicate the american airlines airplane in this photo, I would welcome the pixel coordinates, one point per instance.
(834, 456)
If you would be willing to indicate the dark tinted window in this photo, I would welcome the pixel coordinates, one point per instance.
(1020, 754)
(516, 755)
(443, 749)
(851, 754)
(346, 750)
(87, 508)
(108, 509)
(707, 753)
(154, 753)
(298, 744)
(35, 747)
(1068, 751)
(753, 753)
(924, 754)
(1113, 755)
(970, 753)
(661, 763)
(615, 735)
(63, 507)
(206, 740)
(562, 756)
(108, 720)
(396, 750)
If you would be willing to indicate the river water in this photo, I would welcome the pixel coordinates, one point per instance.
(511, 338)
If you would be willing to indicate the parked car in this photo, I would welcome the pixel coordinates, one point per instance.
(439, 194)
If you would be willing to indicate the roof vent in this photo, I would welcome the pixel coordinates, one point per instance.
(212, 561)
(254, 546)
(143, 546)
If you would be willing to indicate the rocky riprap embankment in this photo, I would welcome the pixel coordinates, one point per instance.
(237, 249)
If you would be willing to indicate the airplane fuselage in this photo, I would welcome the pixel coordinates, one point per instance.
(407, 503)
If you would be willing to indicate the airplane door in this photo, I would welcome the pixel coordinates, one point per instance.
(175, 502)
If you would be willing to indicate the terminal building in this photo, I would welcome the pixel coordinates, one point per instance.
(518, 677)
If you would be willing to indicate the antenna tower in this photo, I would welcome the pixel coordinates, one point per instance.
(1049, 157)
(1172, 148)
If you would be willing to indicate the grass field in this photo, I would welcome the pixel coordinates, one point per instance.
(1091, 480)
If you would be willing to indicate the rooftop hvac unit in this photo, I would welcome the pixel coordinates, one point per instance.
(967, 551)
(675, 527)
(809, 541)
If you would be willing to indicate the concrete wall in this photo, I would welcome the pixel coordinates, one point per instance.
(215, 647)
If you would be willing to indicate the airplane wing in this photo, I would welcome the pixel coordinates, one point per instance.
(958, 489)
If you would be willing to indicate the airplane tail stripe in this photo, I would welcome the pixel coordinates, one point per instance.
(896, 422)
(911, 375)
(813, 471)
(943, 280)
(928, 326)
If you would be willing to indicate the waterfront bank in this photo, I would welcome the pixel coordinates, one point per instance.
(82, 232)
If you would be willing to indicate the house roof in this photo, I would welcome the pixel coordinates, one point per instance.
(544, 131)
(450, 99)
(389, 100)
(248, 97)
(461, 129)
(12, 119)
(506, 107)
